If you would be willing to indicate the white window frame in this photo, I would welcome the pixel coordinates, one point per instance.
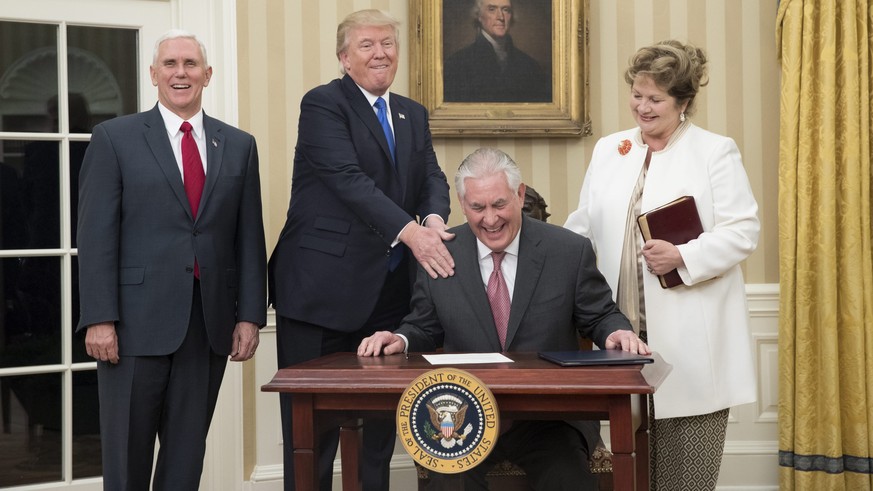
(214, 21)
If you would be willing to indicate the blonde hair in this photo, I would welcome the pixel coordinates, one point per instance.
(364, 18)
(679, 69)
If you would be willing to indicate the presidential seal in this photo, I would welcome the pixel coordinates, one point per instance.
(447, 420)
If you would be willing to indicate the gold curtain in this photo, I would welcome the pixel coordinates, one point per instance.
(826, 259)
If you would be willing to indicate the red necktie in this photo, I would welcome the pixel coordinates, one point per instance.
(498, 297)
(194, 177)
(192, 167)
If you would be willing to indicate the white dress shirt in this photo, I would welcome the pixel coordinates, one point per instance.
(173, 123)
(508, 266)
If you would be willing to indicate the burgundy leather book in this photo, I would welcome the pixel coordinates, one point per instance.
(676, 222)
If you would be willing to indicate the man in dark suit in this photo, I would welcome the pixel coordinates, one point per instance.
(492, 68)
(169, 288)
(555, 294)
(340, 270)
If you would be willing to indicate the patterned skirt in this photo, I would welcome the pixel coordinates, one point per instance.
(686, 452)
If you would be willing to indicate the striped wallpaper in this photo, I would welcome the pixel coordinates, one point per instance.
(287, 47)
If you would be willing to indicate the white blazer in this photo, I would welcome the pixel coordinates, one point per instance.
(701, 327)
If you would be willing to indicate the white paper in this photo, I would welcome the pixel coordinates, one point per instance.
(466, 358)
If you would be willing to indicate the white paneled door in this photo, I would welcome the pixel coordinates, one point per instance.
(64, 67)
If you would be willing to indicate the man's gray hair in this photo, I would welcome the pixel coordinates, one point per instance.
(178, 34)
(484, 162)
(476, 9)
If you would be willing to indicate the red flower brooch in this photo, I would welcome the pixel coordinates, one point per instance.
(624, 147)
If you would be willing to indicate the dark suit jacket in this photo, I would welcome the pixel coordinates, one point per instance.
(348, 204)
(473, 74)
(558, 294)
(137, 239)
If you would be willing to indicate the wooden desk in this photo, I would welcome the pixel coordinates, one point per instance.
(342, 387)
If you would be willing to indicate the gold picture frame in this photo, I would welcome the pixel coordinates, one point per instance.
(565, 115)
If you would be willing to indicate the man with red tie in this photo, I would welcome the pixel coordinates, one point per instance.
(172, 267)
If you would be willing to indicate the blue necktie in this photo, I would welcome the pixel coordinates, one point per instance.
(382, 114)
(397, 251)
(396, 257)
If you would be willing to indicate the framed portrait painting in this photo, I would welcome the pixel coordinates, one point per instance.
(501, 67)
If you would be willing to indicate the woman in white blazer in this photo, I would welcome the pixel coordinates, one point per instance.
(701, 326)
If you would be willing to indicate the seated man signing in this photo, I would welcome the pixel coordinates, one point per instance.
(519, 285)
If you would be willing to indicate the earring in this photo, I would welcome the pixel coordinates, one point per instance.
(682, 117)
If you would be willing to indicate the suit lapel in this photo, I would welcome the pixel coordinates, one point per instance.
(159, 143)
(530, 265)
(214, 156)
(367, 114)
(402, 138)
(467, 259)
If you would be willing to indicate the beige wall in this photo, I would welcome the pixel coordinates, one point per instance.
(287, 47)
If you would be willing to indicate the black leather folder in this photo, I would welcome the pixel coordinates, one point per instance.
(594, 357)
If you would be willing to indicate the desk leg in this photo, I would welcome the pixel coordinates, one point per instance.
(621, 437)
(642, 443)
(351, 441)
(305, 443)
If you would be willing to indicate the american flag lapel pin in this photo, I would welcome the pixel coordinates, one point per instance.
(401, 115)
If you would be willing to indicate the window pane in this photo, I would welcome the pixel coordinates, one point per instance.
(31, 316)
(77, 155)
(86, 427)
(103, 74)
(28, 76)
(30, 194)
(13, 196)
(31, 440)
(42, 183)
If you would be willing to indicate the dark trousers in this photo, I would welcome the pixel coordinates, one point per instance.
(299, 341)
(553, 454)
(172, 397)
